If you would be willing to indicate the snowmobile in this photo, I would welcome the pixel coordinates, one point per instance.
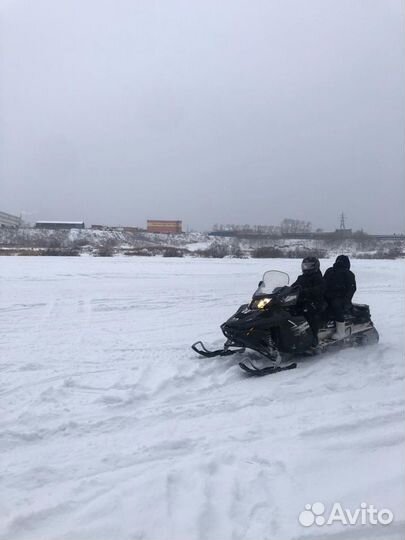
(273, 326)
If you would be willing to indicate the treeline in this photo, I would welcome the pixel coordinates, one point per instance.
(287, 226)
(296, 253)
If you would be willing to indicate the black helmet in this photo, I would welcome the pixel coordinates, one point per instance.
(310, 265)
(342, 261)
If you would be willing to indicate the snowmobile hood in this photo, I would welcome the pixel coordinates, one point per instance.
(342, 261)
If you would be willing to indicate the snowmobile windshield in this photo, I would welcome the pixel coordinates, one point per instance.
(272, 280)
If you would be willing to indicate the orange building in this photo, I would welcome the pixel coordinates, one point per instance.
(164, 226)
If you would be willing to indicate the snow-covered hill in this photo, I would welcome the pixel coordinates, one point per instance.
(111, 427)
(28, 241)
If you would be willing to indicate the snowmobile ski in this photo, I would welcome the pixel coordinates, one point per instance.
(269, 370)
(201, 349)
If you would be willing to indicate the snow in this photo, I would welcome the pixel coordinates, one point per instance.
(111, 427)
(196, 246)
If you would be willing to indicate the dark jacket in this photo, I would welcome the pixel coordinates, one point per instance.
(340, 281)
(312, 288)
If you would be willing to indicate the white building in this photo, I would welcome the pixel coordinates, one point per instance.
(59, 225)
(8, 220)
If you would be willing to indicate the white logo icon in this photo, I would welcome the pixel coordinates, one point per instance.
(312, 514)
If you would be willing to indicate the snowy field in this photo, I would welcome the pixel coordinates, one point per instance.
(112, 428)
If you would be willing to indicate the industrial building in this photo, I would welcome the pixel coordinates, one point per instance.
(120, 228)
(100, 227)
(164, 226)
(59, 225)
(8, 220)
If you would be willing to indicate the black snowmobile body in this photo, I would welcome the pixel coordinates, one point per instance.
(274, 326)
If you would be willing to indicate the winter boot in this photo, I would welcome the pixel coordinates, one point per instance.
(340, 331)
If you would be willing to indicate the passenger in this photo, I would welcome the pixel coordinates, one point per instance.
(311, 294)
(340, 285)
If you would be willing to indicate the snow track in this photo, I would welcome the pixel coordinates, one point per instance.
(111, 427)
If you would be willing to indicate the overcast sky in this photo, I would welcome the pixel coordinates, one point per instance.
(209, 111)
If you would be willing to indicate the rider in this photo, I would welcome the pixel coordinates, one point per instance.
(311, 298)
(340, 285)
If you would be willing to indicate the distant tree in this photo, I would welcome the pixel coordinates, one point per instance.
(235, 249)
(360, 234)
(215, 251)
(267, 252)
(289, 226)
(173, 252)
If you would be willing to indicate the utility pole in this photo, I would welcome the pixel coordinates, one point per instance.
(342, 222)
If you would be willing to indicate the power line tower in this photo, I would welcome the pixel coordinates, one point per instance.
(342, 222)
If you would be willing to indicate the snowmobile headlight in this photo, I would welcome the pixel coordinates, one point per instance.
(263, 302)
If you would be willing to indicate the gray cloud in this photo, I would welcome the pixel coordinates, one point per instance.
(228, 112)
